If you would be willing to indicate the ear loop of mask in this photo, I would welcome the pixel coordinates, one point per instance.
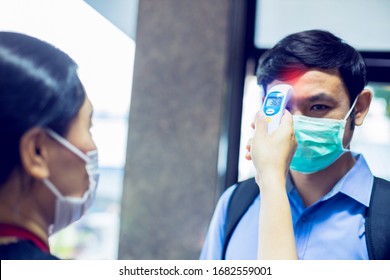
(67, 144)
(351, 109)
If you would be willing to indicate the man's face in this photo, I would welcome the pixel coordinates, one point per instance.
(320, 93)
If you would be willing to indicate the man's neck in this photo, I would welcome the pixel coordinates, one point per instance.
(312, 187)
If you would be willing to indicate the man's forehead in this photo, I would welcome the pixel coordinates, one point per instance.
(316, 98)
(293, 76)
(315, 82)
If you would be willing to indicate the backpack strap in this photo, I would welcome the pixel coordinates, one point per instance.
(240, 200)
(378, 221)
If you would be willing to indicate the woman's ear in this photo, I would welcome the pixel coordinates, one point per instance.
(362, 106)
(34, 153)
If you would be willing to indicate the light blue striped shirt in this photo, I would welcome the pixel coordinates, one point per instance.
(332, 228)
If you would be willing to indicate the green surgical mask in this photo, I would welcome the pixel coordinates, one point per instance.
(320, 142)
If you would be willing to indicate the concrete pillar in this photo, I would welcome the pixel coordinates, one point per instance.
(178, 100)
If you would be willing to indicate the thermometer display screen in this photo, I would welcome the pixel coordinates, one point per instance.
(274, 101)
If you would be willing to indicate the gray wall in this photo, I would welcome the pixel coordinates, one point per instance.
(179, 90)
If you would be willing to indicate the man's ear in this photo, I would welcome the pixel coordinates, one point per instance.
(34, 153)
(362, 106)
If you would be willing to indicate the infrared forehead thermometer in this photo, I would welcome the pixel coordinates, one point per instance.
(274, 104)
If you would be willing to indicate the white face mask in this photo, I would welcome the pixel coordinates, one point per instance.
(70, 209)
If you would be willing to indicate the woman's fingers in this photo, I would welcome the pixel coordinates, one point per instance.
(248, 148)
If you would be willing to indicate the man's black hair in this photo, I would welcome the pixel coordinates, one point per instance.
(300, 51)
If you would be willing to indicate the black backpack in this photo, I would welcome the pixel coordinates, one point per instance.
(377, 216)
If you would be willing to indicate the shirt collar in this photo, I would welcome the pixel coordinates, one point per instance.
(8, 230)
(356, 183)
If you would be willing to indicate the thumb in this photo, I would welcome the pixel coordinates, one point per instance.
(287, 119)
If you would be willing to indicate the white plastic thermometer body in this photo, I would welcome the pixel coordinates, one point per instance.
(274, 104)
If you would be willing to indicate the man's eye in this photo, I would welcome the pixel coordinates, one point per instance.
(318, 107)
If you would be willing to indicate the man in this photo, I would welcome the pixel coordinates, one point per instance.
(328, 187)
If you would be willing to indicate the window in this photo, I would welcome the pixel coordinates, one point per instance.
(363, 24)
(105, 57)
(274, 19)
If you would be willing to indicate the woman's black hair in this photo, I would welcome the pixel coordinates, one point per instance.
(300, 51)
(39, 87)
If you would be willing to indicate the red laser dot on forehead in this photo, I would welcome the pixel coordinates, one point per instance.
(290, 75)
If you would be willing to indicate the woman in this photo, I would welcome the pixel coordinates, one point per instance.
(48, 173)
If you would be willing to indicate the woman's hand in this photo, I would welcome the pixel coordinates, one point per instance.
(271, 153)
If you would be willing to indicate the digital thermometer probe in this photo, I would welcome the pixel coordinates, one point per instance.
(274, 104)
